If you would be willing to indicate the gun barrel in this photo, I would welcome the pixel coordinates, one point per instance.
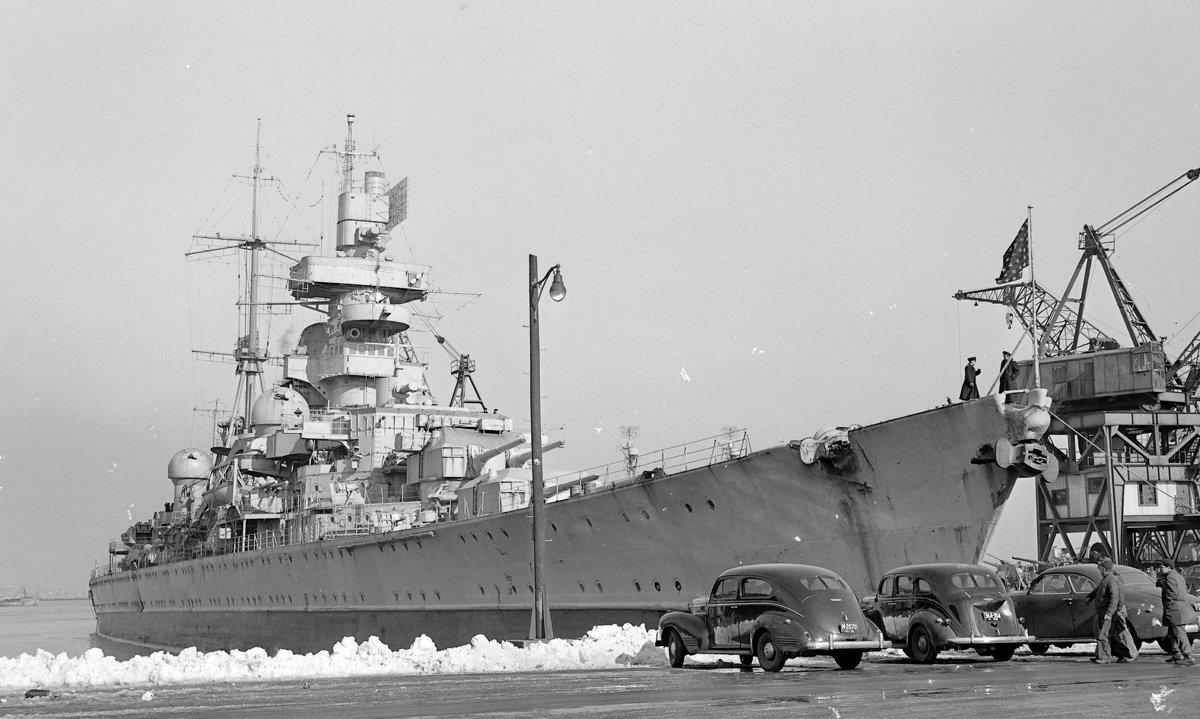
(522, 457)
(483, 457)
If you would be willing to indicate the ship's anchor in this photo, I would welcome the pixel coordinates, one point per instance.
(1028, 458)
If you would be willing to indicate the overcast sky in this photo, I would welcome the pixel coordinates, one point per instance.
(762, 210)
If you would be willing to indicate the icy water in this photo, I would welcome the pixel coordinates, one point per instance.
(55, 626)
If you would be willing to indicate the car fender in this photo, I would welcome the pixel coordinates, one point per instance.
(935, 622)
(787, 628)
(869, 606)
(692, 628)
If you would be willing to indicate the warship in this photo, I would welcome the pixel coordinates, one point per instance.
(344, 500)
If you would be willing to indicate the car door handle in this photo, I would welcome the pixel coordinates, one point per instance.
(1068, 600)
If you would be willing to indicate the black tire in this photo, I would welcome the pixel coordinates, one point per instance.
(675, 649)
(924, 649)
(770, 657)
(1039, 648)
(747, 659)
(1003, 653)
(907, 652)
(847, 658)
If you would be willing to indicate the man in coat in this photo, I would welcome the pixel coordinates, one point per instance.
(1008, 373)
(969, 389)
(1174, 589)
(1112, 627)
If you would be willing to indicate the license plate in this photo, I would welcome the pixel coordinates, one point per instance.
(991, 616)
(848, 628)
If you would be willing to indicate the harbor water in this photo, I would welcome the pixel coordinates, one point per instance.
(59, 626)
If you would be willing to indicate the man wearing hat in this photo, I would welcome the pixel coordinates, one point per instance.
(1174, 589)
(1112, 628)
(1008, 373)
(969, 389)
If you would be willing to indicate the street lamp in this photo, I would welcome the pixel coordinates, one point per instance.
(539, 625)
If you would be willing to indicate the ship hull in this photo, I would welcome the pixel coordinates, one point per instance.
(917, 493)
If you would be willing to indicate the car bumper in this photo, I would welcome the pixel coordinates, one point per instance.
(866, 645)
(989, 641)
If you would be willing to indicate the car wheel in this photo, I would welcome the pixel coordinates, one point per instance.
(747, 659)
(1003, 653)
(770, 657)
(924, 650)
(907, 652)
(847, 659)
(675, 649)
(1038, 648)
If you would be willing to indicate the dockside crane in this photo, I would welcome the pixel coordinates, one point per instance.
(1127, 424)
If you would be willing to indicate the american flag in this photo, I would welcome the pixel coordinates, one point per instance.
(1016, 258)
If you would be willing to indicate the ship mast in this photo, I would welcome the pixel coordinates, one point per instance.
(247, 353)
(249, 367)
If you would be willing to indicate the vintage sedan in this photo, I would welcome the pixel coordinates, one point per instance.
(773, 612)
(1058, 608)
(925, 608)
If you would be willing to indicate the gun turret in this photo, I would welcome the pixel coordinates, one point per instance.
(481, 459)
(1035, 562)
(521, 458)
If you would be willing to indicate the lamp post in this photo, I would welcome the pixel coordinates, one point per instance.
(539, 627)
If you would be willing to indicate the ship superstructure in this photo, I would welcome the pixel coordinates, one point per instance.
(346, 501)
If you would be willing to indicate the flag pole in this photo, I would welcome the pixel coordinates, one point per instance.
(1037, 341)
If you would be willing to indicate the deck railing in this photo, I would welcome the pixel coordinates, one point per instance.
(659, 463)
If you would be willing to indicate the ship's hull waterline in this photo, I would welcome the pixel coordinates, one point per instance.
(621, 554)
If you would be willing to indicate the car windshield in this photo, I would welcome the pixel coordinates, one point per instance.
(822, 583)
(971, 580)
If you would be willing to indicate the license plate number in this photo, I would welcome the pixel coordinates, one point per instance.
(848, 628)
(991, 616)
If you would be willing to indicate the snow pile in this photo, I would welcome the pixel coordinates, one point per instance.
(603, 647)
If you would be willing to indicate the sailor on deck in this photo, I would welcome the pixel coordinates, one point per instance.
(969, 389)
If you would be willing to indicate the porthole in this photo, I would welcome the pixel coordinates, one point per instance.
(489, 536)
(422, 596)
(589, 522)
(637, 586)
(657, 586)
(599, 587)
(437, 594)
(554, 526)
(581, 589)
(531, 589)
(688, 507)
(678, 586)
(481, 589)
(710, 504)
(410, 596)
(464, 539)
(645, 514)
(474, 537)
(504, 532)
(625, 516)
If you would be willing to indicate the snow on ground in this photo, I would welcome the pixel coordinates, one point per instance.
(602, 648)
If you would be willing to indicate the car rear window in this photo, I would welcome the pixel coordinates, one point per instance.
(1082, 584)
(822, 583)
(756, 588)
(1133, 577)
(972, 580)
